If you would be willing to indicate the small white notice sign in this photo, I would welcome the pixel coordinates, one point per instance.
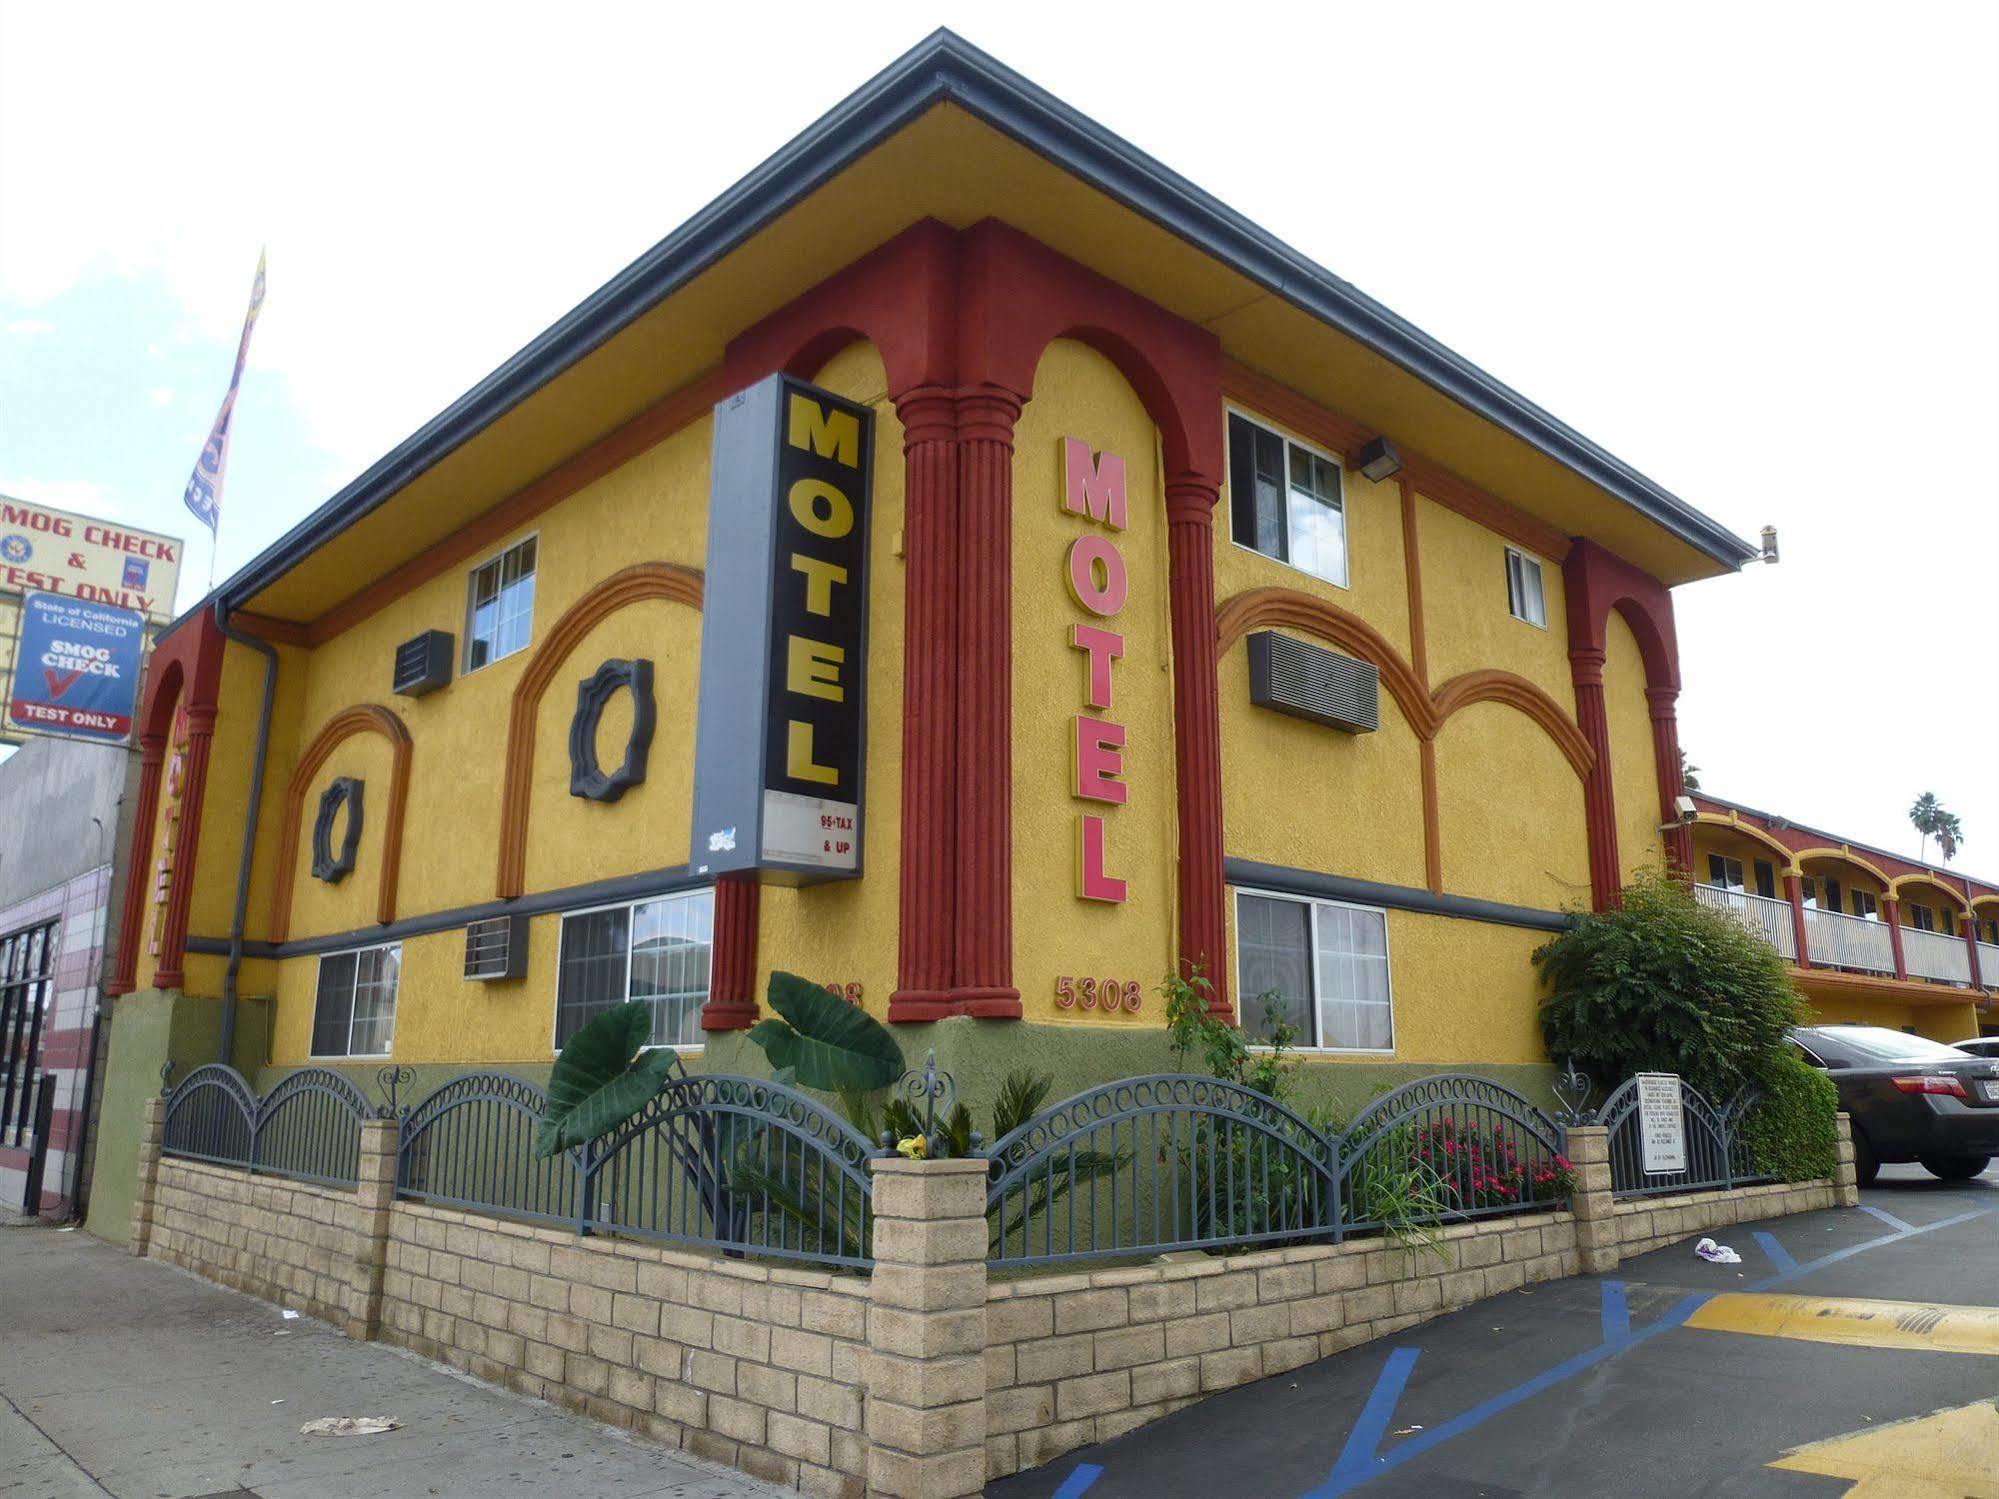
(1662, 1129)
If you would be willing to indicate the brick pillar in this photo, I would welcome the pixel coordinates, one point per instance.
(1197, 734)
(375, 1194)
(152, 1126)
(1595, 1209)
(1891, 912)
(926, 1410)
(1599, 800)
(924, 931)
(1794, 892)
(982, 982)
(1846, 1188)
(732, 995)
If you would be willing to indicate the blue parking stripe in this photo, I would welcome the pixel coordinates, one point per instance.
(1779, 1255)
(1079, 1480)
(1888, 1218)
(1357, 1460)
(1616, 1312)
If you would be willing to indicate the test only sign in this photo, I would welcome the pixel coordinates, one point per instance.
(779, 740)
(1662, 1127)
(76, 670)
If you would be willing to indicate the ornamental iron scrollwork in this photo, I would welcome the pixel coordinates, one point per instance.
(1572, 1087)
(327, 865)
(587, 778)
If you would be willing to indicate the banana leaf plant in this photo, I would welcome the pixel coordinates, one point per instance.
(601, 1079)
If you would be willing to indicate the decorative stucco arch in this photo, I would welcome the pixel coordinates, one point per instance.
(1754, 834)
(1902, 882)
(362, 718)
(632, 585)
(1845, 856)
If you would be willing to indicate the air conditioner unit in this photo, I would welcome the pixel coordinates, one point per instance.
(496, 948)
(423, 664)
(1308, 681)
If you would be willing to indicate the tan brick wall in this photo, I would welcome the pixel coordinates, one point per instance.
(757, 1366)
(302, 1246)
(1075, 1359)
(1647, 1223)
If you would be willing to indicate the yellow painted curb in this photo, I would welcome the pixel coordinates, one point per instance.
(1949, 1455)
(1929, 1326)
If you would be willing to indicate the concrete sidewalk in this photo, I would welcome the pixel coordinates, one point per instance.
(128, 1377)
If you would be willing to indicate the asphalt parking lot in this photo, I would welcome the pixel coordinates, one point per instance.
(1852, 1351)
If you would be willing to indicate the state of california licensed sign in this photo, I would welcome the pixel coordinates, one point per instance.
(780, 729)
(77, 669)
(1662, 1126)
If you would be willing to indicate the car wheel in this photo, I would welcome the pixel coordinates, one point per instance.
(1866, 1164)
(1955, 1168)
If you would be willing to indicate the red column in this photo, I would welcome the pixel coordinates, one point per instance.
(732, 978)
(180, 892)
(1891, 912)
(927, 919)
(1599, 799)
(1666, 761)
(1969, 921)
(131, 921)
(1794, 891)
(982, 938)
(1197, 734)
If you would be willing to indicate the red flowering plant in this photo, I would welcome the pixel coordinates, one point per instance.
(1485, 1168)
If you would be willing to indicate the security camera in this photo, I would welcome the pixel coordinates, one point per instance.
(1684, 805)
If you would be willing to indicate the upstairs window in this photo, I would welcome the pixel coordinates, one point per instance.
(1724, 873)
(1863, 903)
(499, 611)
(354, 1014)
(657, 952)
(1524, 598)
(1766, 879)
(1285, 501)
(1923, 918)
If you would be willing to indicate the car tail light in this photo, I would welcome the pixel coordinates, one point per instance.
(1931, 1083)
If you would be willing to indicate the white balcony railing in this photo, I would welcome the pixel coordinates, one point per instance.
(1988, 965)
(1932, 955)
(1836, 941)
(1768, 919)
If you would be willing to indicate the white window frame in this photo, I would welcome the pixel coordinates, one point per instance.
(555, 998)
(395, 1004)
(1526, 560)
(1290, 440)
(465, 666)
(1313, 904)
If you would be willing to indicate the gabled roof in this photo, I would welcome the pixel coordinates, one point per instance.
(946, 72)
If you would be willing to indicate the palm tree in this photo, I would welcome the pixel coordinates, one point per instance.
(1690, 775)
(1932, 821)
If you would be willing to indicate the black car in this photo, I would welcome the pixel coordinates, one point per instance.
(1911, 1099)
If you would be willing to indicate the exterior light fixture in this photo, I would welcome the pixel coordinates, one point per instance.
(1379, 460)
(1769, 543)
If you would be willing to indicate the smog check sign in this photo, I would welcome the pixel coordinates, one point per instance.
(76, 670)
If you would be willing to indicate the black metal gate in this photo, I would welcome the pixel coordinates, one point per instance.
(27, 1095)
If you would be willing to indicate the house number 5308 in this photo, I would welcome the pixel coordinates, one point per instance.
(1097, 994)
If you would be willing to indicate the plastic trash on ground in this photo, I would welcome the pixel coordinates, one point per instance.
(1717, 1254)
(349, 1426)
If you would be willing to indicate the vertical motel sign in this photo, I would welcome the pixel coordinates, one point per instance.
(779, 744)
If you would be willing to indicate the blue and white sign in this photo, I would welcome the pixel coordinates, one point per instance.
(76, 670)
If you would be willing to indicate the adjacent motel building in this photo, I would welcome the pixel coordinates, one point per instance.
(967, 565)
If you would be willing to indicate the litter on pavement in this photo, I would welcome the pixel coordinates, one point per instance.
(290, 1315)
(1717, 1254)
(349, 1426)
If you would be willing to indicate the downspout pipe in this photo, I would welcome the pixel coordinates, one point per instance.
(227, 1046)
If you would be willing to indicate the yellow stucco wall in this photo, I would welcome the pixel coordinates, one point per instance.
(1633, 776)
(1078, 393)
(1467, 625)
(1510, 812)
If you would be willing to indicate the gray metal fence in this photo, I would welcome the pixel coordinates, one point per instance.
(470, 1144)
(308, 1127)
(1717, 1158)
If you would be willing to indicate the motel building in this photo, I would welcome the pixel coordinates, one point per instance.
(1870, 936)
(972, 567)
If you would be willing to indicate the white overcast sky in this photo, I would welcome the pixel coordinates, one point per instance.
(1751, 248)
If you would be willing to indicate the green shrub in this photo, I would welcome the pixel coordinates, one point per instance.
(1791, 1133)
(1665, 984)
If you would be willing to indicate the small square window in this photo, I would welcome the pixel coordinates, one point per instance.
(1524, 597)
(354, 1012)
(499, 606)
(1285, 501)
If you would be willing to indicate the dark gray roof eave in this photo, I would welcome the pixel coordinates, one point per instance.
(943, 68)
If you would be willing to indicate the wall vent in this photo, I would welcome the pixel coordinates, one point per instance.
(1310, 682)
(496, 948)
(423, 664)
